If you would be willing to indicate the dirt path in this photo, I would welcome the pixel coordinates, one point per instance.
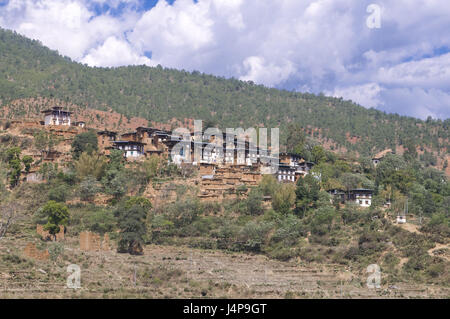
(444, 247)
(410, 227)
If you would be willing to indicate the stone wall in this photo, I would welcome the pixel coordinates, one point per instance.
(47, 236)
(92, 242)
(32, 252)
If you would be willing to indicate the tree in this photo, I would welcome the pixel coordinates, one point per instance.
(91, 164)
(58, 193)
(268, 185)
(410, 152)
(322, 220)
(13, 153)
(7, 212)
(57, 214)
(27, 160)
(307, 193)
(84, 142)
(15, 165)
(318, 154)
(44, 141)
(131, 220)
(88, 188)
(284, 198)
(350, 181)
(116, 183)
(295, 138)
(241, 190)
(116, 160)
(254, 202)
(388, 166)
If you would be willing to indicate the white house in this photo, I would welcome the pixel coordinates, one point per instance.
(56, 116)
(131, 149)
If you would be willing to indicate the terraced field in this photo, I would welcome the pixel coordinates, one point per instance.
(180, 272)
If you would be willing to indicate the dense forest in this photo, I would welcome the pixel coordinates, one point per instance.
(28, 69)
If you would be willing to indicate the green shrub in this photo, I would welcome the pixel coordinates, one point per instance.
(59, 193)
(253, 235)
(88, 188)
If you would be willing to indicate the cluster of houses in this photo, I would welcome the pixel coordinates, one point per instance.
(238, 163)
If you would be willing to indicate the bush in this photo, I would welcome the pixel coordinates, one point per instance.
(184, 212)
(116, 183)
(322, 220)
(58, 193)
(55, 250)
(84, 142)
(289, 230)
(253, 235)
(227, 235)
(101, 222)
(88, 188)
(284, 198)
(255, 202)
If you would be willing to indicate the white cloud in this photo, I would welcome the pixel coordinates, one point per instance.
(318, 45)
(365, 94)
(418, 102)
(64, 25)
(261, 72)
(115, 52)
(429, 72)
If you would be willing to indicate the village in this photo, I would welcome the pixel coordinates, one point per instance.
(220, 171)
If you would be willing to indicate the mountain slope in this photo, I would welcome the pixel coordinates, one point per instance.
(28, 70)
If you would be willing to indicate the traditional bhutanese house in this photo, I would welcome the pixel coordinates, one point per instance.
(56, 116)
(289, 159)
(50, 156)
(338, 194)
(106, 140)
(304, 167)
(131, 137)
(146, 135)
(131, 149)
(162, 136)
(401, 219)
(152, 138)
(361, 196)
(286, 173)
(379, 157)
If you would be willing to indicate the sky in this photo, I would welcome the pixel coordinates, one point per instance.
(392, 55)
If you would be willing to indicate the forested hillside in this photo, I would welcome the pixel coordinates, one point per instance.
(28, 69)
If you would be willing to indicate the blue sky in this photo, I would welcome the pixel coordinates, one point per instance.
(305, 45)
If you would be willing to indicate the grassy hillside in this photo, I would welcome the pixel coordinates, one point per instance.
(28, 69)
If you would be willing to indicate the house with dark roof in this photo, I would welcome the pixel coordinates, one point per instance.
(56, 116)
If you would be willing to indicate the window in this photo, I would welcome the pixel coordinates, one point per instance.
(367, 202)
